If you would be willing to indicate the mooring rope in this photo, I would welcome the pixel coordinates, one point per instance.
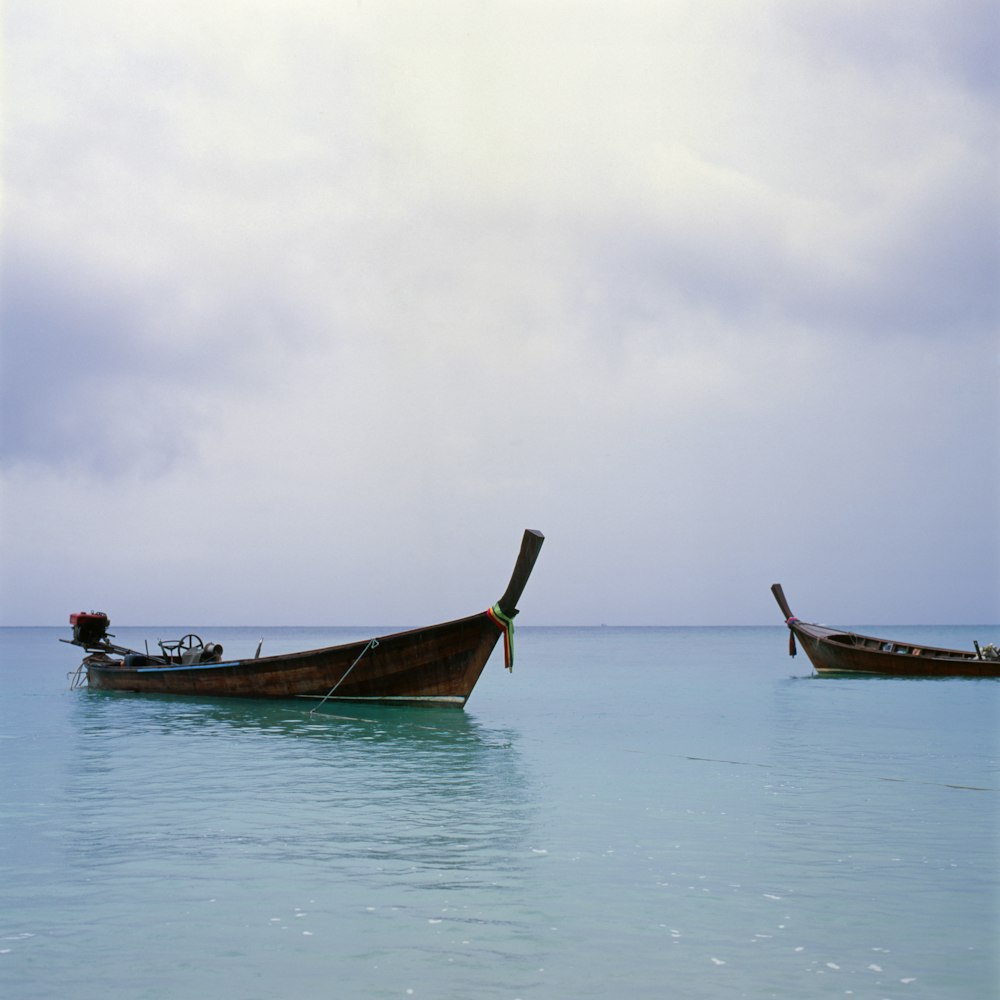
(372, 643)
(74, 678)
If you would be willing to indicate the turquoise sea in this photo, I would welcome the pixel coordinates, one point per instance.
(632, 813)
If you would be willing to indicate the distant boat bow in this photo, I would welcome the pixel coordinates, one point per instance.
(835, 651)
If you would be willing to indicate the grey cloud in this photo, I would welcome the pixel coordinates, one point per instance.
(929, 269)
(78, 388)
(86, 384)
(934, 275)
(957, 38)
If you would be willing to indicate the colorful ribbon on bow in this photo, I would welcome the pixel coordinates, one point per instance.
(791, 635)
(506, 624)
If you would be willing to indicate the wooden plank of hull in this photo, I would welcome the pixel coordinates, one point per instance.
(834, 651)
(439, 663)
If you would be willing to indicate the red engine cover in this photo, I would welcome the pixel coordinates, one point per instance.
(89, 627)
(89, 618)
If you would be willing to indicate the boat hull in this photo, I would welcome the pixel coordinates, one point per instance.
(840, 653)
(438, 664)
(835, 651)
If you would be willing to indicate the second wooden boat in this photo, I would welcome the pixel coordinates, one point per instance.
(835, 651)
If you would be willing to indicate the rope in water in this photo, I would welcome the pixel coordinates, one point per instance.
(372, 643)
(506, 624)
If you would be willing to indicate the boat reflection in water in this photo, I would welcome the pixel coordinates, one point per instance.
(363, 792)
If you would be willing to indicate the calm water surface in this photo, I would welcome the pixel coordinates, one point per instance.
(640, 813)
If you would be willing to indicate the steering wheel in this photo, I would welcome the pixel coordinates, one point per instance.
(190, 641)
(178, 647)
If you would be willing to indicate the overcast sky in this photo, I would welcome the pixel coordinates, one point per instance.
(310, 307)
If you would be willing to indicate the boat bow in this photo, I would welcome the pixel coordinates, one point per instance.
(790, 619)
(502, 613)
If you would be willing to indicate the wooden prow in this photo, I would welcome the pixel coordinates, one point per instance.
(779, 596)
(531, 545)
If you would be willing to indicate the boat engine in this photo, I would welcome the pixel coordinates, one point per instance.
(89, 627)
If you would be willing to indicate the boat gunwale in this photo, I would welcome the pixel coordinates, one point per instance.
(823, 633)
(276, 659)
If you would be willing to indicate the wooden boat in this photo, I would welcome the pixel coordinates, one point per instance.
(438, 664)
(834, 651)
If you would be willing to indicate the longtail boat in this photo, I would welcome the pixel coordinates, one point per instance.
(438, 664)
(835, 651)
